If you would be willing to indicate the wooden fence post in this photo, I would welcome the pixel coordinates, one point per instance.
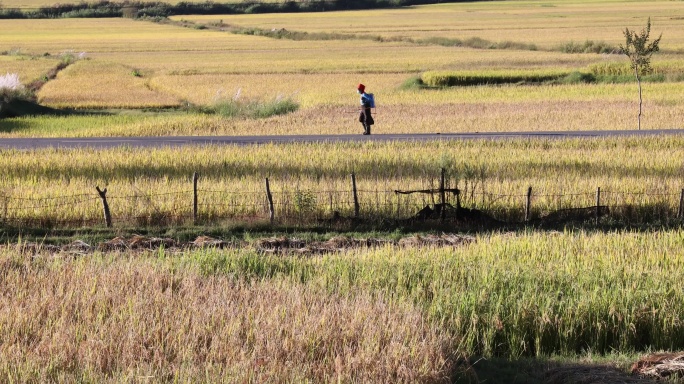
(5, 202)
(598, 204)
(442, 197)
(356, 196)
(271, 213)
(680, 214)
(195, 176)
(105, 206)
(528, 204)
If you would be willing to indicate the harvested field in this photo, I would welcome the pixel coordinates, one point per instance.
(279, 245)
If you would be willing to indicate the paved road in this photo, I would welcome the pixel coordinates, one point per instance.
(174, 141)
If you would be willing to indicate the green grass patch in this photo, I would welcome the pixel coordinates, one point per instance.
(605, 74)
(467, 78)
(412, 83)
(589, 46)
(255, 109)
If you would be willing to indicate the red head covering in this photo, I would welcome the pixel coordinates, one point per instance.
(361, 87)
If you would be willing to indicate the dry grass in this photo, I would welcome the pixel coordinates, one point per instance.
(177, 64)
(29, 68)
(98, 84)
(126, 319)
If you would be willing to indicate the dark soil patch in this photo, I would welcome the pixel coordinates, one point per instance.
(16, 108)
(274, 245)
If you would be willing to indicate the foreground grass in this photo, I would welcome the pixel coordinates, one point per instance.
(404, 314)
(123, 318)
(515, 295)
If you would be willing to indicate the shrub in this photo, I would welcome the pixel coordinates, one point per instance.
(578, 77)
(588, 46)
(414, 82)
(12, 89)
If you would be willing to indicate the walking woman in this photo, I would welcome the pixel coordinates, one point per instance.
(365, 117)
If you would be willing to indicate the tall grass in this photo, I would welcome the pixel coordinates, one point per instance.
(130, 318)
(508, 295)
(360, 315)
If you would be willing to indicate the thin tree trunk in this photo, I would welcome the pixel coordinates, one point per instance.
(636, 72)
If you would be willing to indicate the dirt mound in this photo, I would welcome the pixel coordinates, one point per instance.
(660, 365)
(436, 241)
(335, 244)
(282, 245)
(136, 242)
(206, 241)
(277, 245)
(33, 248)
(453, 214)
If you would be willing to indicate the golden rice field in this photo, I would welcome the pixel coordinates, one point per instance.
(385, 314)
(30, 68)
(540, 22)
(147, 187)
(140, 64)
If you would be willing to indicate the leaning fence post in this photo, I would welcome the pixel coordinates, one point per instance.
(356, 195)
(598, 203)
(680, 214)
(271, 213)
(105, 206)
(528, 204)
(195, 176)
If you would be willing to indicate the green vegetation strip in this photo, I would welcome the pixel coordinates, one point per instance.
(613, 72)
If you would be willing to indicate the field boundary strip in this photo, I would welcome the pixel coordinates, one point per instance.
(331, 206)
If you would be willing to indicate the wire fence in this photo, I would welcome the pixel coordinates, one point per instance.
(286, 205)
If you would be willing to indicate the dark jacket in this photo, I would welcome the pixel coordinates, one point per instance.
(365, 115)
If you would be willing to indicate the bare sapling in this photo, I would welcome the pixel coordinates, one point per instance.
(639, 51)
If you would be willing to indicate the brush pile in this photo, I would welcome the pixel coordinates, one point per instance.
(660, 365)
